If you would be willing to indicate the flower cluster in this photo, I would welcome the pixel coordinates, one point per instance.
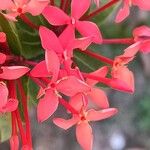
(60, 80)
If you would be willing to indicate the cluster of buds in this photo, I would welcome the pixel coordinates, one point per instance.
(60, 80)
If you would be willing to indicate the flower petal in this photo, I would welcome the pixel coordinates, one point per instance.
(49, 40)
(3, 94)
(55, 16)
(2, 37)
(94, 115)
(5, 4)
(47, 106)
(65, 124)
(35, 7)
(67, 35)
(84, 135)
(145, 46)
(144, 5)
(2, 58)
(124, 74)
(40, 70)
(13, 72)
(52, 63)
(123, 12)
(99, 97)
(87, 29)
(71, 86)
(78, 8)
(100, 72)
(11, 105)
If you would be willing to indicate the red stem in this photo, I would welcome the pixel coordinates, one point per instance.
(14, 128)
(13, 94)
(66, 5)
(52, 2)
(119, 41)
(96, 12)
(98, 57)
(27, 120)
(68, 106)
(29, 22)
(62, 4)
(38, 82)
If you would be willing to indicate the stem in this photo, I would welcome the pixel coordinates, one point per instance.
(13, 94)
(119, 41)
(52, 2)
(66, 5)
(68, 106)
(29, 22)
(21, 129)
(62, 4)
(38, 82)
(27, 120)
(98, 57)
(96, 12)
(14, 128)
(32, 63)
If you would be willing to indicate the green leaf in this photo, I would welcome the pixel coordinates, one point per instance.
(32, 92)
(86, 63)
(12, 35)
(5, 127)
(102, 16)
(29, 38)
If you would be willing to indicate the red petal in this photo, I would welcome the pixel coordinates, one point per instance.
(84, 135)
(99, 97)
(5, 4)
(125, 75)
(145, 46)
(2, 37)
(100, 72)
(123, 12)
(2, 58)
(100, 115)
(40, 5)
(141, 31)
(132, 50)
(52, 63)
(3, 94)
(40, 70)
(78, 8)
(71, 86)
(49, 40)
(144, 5)
(11, 105)
(65, 124)
(87, 29)
(13, 72)
(76, 101)
(67, 35)
(47, 106)
(55, 16)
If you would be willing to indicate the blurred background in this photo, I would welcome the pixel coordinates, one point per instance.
(130, 128)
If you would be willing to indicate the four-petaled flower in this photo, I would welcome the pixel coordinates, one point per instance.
(83, 129)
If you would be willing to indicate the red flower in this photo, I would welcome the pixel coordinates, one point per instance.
(56, 16)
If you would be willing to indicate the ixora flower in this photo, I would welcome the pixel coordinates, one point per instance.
(2, 37)
(142, 35)
(125, 10)
(120, 70)
(83, 129)
(56, 17)
(6, 104)
(15, 8)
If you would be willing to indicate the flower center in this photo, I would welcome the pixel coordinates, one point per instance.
(73, 21)
(53, 85)
(19, 10)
